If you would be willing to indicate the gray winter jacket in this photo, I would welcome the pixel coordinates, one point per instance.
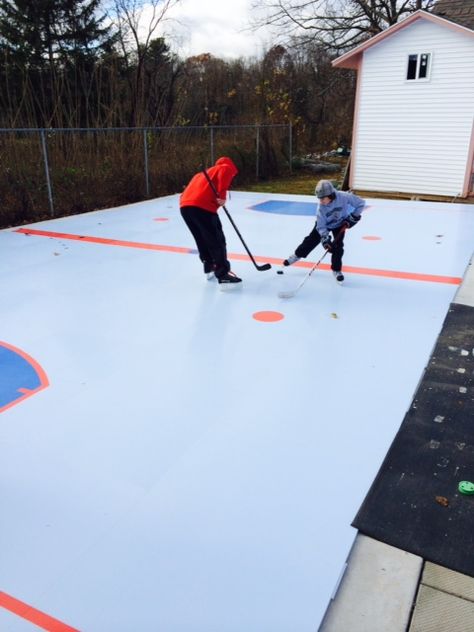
(332, 215)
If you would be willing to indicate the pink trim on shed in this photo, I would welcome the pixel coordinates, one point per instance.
(467, 188)
(355, 129)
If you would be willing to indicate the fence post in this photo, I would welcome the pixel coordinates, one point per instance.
(145, 155)
(257, 161)
(46, 170)
(212, 146)
(290, 154)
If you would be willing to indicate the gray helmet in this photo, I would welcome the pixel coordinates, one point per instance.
(324, 188)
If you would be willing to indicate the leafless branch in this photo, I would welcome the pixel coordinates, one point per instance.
(338, 24)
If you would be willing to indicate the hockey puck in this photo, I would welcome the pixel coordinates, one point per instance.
(279, 271)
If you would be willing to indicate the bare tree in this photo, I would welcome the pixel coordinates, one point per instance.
(137, 22)
(338, 24)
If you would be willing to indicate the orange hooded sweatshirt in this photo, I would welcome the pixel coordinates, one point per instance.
(199, 193)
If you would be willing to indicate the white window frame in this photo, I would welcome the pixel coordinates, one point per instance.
(417, 77)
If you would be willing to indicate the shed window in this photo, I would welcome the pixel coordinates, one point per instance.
(418, 66)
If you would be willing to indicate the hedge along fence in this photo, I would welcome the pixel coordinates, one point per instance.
(55, 172)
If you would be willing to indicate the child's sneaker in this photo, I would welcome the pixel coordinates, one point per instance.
(291, 259)
(338, 276)
(229, 280)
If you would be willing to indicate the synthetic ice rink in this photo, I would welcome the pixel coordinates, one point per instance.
(176, 458)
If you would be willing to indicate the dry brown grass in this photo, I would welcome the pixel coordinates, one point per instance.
(98, 170)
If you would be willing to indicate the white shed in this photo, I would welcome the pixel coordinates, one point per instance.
(413, 120)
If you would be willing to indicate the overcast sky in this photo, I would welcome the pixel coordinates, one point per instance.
(219, 27)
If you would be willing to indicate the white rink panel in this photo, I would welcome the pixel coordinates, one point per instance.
(190, 468)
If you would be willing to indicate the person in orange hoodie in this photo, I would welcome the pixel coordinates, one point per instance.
(199, 205)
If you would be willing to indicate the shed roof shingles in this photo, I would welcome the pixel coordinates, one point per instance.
(458, 11)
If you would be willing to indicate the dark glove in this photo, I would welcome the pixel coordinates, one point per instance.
(327, 243)
(351, 220)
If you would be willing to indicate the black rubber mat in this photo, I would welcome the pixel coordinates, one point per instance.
(414, 503)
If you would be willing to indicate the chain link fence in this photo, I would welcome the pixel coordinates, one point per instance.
(54, 172)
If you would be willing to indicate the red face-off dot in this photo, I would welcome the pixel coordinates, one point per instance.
(372, 238)
(161, 219)
(268, 317)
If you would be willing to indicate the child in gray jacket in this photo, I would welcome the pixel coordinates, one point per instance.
(336, 211)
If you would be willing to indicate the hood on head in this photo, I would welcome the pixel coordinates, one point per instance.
(229, 162)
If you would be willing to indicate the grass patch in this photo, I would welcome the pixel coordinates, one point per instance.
(300, 182)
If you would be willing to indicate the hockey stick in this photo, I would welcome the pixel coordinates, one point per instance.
(291, 293)
(265, 266)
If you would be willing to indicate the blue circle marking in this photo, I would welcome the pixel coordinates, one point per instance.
(285, 207)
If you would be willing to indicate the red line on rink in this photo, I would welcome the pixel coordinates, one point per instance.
(33, 615)
(390, 274)
(102, 240)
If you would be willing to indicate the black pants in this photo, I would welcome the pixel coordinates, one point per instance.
(206, 228)
(310, 242)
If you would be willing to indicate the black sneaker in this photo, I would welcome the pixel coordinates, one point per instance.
(338, 275)
(229, 279)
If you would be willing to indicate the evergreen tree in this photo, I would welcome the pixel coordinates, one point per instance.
(46, 32)
(49, 50)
